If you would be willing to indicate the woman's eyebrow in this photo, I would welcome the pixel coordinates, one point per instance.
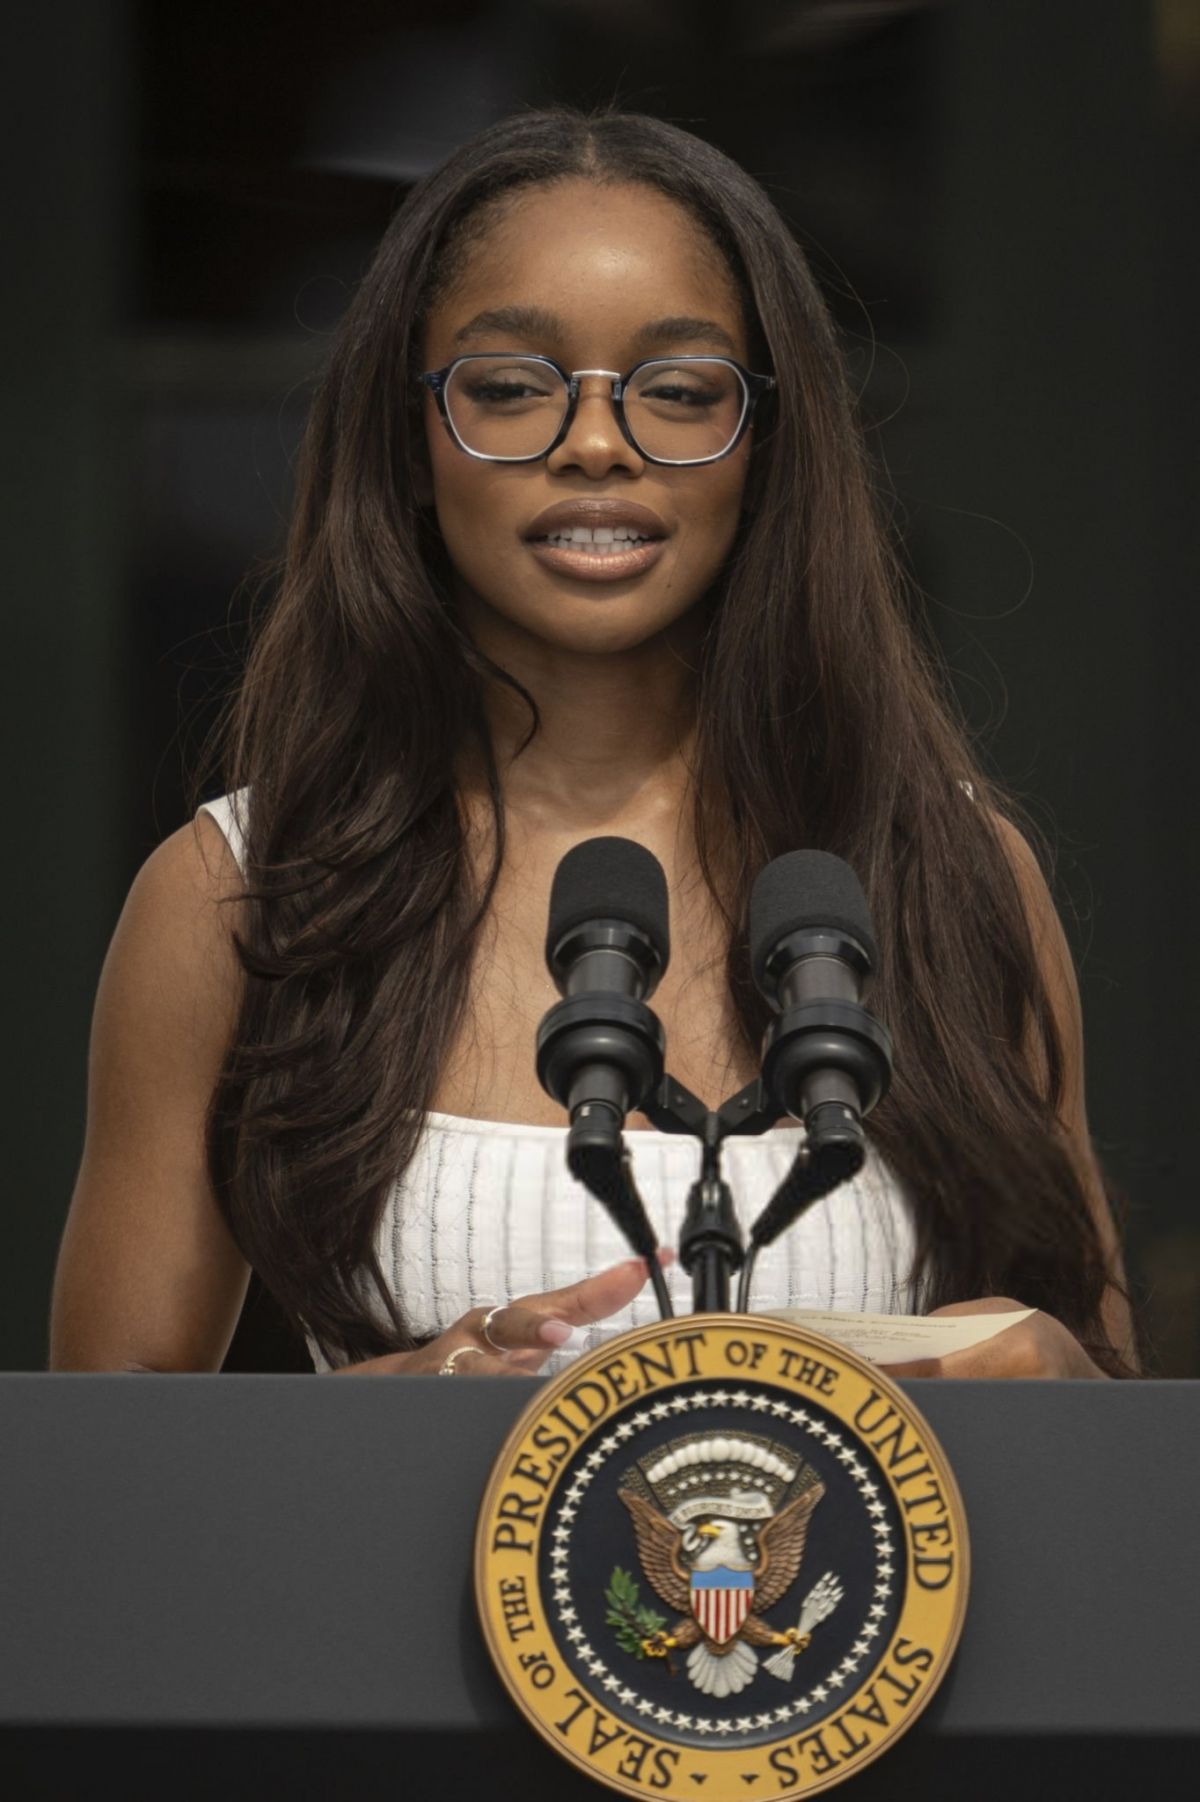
(536, 322)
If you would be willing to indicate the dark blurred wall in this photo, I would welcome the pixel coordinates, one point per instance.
(1057, 557)
(996, 197)
(70, 674)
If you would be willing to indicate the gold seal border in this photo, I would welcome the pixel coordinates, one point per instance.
(931, 1620)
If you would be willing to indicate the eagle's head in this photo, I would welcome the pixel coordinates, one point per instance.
(712, 1542)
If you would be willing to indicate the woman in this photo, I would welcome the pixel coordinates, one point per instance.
(324, 1072)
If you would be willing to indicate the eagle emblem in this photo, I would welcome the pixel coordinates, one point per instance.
(720, 1522)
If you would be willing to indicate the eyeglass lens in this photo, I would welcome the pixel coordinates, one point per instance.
(506, 406)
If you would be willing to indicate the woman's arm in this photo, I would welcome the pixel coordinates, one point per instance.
(148, 1277)
(1058, 973)
(1042, 1346)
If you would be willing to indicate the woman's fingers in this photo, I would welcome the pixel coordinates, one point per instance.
(469, 1361)
(460, 1348)
(522, 1334)
(518, 1327)
(595, 1297)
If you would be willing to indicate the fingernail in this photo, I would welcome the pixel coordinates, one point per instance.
(554, 1332)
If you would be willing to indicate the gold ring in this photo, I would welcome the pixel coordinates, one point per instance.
(447, 1369)
(485, 1329)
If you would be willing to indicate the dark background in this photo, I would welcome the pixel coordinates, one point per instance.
(998, 199)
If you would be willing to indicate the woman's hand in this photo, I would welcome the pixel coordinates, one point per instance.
(1038, 1346)
(527, 1329)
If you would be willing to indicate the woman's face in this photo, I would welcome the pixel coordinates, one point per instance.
(601, 264)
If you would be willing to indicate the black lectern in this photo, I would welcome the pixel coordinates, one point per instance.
(250, 1586)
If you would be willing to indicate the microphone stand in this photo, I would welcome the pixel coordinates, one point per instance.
(711, 1247)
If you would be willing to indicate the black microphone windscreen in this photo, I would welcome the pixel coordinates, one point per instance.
(610, 879)
(804, 890)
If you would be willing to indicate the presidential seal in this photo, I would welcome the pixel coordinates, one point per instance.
(719, 1552)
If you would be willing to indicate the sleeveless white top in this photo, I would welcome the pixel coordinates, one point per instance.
(487, 1211)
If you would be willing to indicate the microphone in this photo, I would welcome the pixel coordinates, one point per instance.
(826, 1060)
(601, 1050)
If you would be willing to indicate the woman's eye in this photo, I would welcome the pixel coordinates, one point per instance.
(688, 397)
(498, 391)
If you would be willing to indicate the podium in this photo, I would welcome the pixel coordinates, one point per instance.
(249, 1586)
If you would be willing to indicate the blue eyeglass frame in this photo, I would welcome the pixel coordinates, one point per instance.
(753, 387)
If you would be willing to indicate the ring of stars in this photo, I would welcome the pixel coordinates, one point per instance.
(795, 1706)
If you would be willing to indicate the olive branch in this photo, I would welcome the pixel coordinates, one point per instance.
(632, 1622)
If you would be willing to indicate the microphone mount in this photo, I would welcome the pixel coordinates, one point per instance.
(711, 1246)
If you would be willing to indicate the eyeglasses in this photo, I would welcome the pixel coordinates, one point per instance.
(509, 408)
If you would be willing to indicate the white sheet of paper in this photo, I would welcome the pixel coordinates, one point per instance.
(897, 1338)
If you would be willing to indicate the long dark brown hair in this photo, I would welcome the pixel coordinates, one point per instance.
(823, 721)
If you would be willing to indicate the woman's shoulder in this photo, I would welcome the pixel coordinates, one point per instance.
(171, 975)
(186, 893)
(183, 907)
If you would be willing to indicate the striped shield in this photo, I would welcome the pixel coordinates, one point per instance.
(721, 1601)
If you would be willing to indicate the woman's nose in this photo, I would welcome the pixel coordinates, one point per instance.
(595, 442)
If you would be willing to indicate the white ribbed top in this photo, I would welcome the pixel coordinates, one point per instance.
(487, 1211)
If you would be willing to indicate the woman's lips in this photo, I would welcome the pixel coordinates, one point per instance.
(597, 566)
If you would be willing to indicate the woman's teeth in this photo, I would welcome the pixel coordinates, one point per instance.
(598, 540)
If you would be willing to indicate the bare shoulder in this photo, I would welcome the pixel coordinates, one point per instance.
(173, 945)
(170, 986)
(193, 869)
(1045, 925)
(1053, 956)
(1026, 866)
